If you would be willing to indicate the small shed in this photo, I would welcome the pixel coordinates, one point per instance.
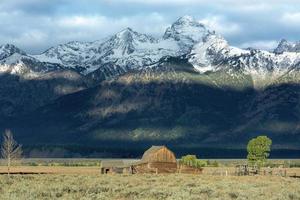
(114, 167)
(157, 159)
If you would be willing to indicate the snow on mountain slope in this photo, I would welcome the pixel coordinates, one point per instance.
(8, 50)
(264, 67)
(285, 46)
(133, 50)
(71, 55)
(11, 60)
(128, 49)
(186, 31)
(209, 53)
(17, 62)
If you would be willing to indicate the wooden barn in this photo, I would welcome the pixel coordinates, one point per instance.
(157, 159)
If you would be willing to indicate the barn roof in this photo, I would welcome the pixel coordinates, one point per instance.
(153, 149)
(150, 151)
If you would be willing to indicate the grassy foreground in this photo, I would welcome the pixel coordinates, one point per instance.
(175, 186)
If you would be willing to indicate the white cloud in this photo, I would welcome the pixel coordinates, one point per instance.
(152, 23)
(37, 35)
(241, 4)
(35, 25)
(261, 44)
(81, 21)
(221, 25)
(290, 19)
(184, 1)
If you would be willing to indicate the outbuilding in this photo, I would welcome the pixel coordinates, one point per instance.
(114, 167)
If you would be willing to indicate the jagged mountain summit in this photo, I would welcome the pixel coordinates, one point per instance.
(187, 32)
(214, 54)
(130, 50)
(124, 50)
(127, 49)
(286, 46)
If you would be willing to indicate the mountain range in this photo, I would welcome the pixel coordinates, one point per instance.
(188, 89)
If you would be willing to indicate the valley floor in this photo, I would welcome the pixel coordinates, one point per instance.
(173, 186)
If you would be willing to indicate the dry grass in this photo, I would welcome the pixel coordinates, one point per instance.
(174, 186)
(96, 170)
(53, 170)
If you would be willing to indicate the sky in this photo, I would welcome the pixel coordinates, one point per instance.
(36, 25)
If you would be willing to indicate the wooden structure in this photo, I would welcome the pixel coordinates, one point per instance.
(115, 167)
(157, 159)
(241, 170)
(244, 170)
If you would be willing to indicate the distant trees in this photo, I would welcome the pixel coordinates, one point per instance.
(259, 150)
(10, 149)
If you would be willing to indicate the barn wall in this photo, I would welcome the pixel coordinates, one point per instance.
(157, 167)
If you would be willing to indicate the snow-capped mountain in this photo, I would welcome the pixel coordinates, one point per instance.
(127, 49)
(130, 50)
(285, 46)
(187, 32)
(214, 54)
(15, 61)
(8, 50)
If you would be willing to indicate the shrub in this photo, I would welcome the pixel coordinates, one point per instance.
(192, 161)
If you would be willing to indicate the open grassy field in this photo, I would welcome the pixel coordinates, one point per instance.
(81, 179)
(173, 186)
(95, 170)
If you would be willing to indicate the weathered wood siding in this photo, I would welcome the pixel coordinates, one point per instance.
(156, 167)
(162, 155)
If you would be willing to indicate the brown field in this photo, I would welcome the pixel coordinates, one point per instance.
(52, 170)
(127, 187)
(87, 183)
(94, 170)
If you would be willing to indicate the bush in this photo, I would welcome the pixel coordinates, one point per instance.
(192, 161)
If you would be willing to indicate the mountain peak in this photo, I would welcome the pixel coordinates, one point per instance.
(126, 30)
(127, 34)
(186, 19)
(187, 31)
(286, 46)
(7, 50)
(9, 47)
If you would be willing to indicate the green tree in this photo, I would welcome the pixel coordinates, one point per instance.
(259, 150)
(192, 161)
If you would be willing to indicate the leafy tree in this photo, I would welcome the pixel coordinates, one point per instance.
(192, 161)
(259, 150)
(10, 149)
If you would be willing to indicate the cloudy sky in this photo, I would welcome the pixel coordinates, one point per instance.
(35, 25)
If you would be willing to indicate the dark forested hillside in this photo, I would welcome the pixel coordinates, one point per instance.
(171, 105)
